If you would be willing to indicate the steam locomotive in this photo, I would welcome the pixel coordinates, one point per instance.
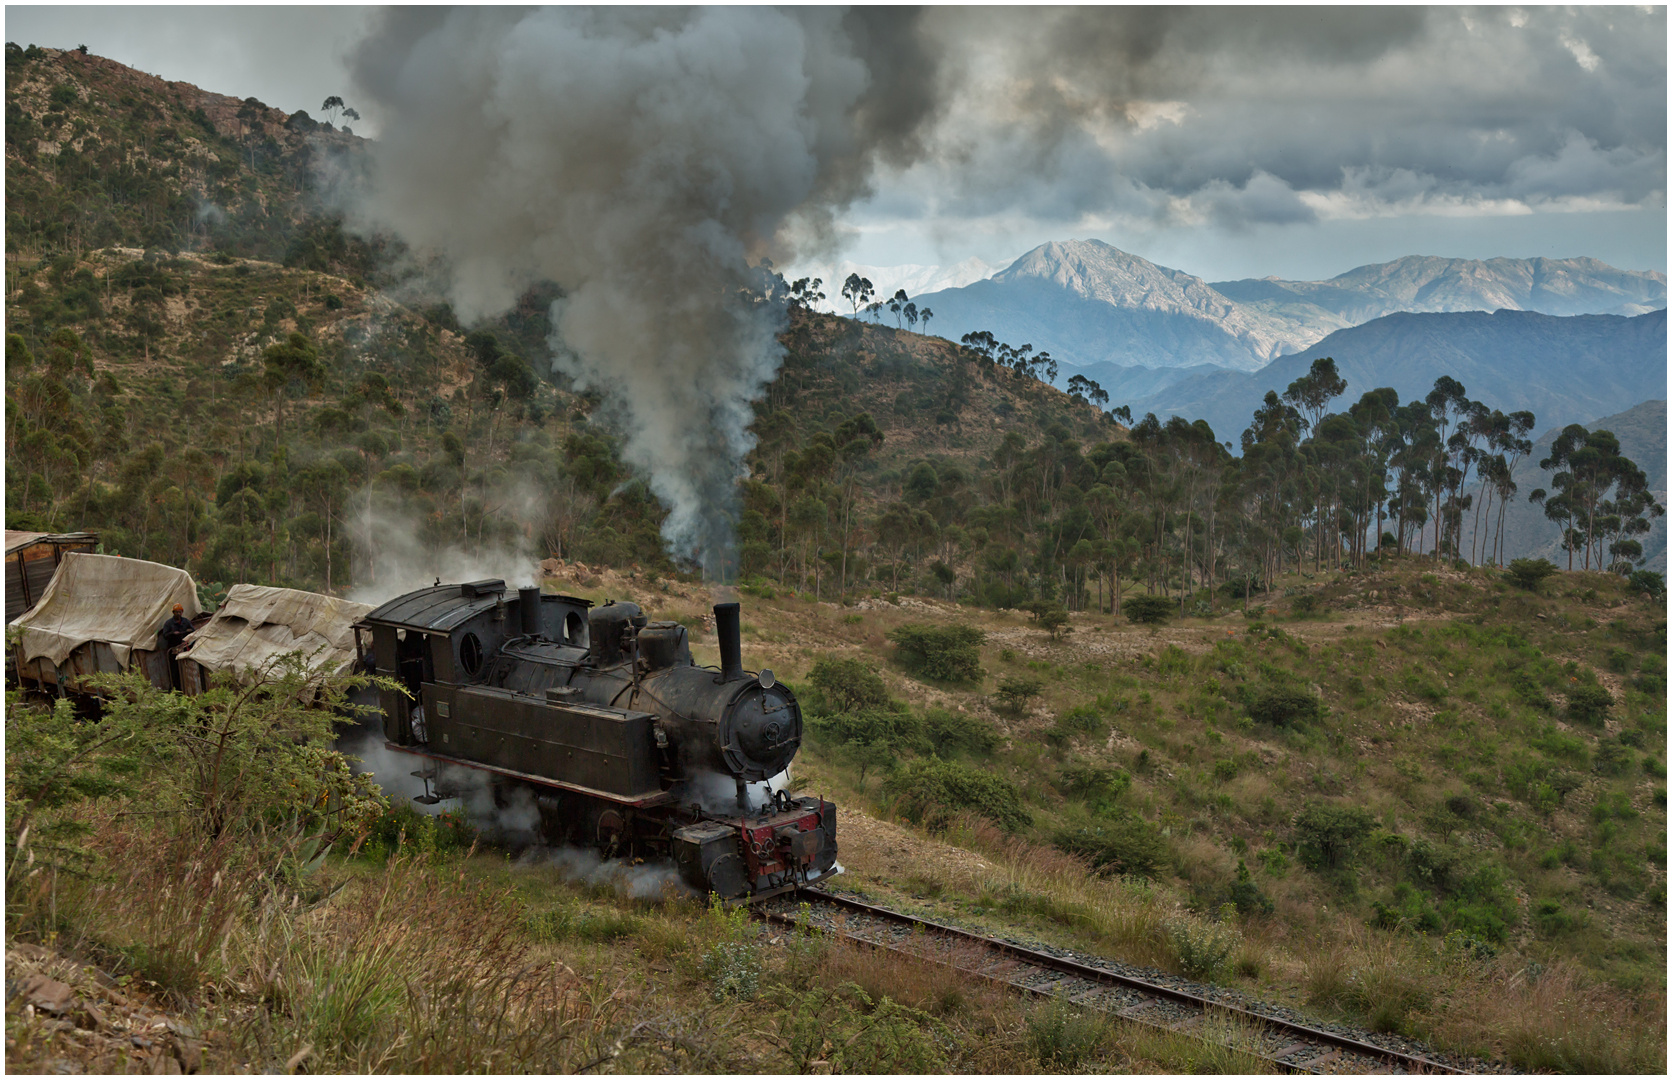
(603, 717)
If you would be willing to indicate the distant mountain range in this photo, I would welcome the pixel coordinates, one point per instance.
(1089, 304)
(1565, 369)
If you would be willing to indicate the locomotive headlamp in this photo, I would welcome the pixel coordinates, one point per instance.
(767, 681)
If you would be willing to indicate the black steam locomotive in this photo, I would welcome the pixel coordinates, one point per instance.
(606, 720)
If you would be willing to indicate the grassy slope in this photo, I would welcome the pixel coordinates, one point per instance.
(1427, 678)
(1416, 715)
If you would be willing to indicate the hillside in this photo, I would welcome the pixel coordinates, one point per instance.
(1382, 791)
(1566, 370)
(1434, 840)
(101, 155)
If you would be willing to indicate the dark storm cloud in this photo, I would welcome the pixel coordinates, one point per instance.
(1240, 111)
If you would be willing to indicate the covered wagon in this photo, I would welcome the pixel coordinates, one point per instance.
(101, 613)
(31, 560)
(258, 624)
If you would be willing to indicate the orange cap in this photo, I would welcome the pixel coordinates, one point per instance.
(178, 608)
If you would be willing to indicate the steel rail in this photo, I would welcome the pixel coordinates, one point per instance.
(1305, 1034)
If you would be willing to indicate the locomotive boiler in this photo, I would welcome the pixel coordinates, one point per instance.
(606, 720)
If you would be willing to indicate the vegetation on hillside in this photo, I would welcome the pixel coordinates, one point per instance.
(1431, 793)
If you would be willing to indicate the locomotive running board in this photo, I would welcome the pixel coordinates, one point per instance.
(650, 798)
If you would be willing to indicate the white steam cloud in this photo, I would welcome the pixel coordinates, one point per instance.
(646, 161)
(652, 880)
(397, 558)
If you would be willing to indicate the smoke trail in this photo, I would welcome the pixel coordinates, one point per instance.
(646, 161)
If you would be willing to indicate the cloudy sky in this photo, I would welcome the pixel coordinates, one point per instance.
(1229, 143)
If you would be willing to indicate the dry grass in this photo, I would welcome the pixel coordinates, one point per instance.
(1557, 1020)
(415, 969)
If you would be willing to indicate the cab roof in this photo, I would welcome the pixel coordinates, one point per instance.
(446, 607)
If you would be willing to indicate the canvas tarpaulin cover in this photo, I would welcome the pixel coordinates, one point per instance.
(122, 602)
(258, 624)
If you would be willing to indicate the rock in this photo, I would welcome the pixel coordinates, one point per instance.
(89, 1016)
(46, 994)
(190, 1054)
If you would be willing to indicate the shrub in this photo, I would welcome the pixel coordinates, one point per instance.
(1328, 835)
(1246, 895)
(946, 653)
(1099, 785)
(1015, 692)
(1147, 609)
(1552, 921)
(1051, 616)
(1064, 1037)
(949, 732)
(1483, 905)
(1202, 947)
(1125, 844)
(895, 730)
(849, 684)
(933, 792)
(1528, 573)
(1648, 582)
(1081, 720)
(1282, 706)
(1613, 759)
(1588, 704)
(734, 968)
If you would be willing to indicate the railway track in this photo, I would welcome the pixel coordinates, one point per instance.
(1289, 1046)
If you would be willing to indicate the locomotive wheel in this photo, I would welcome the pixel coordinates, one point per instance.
(728, 877)
(610, 830)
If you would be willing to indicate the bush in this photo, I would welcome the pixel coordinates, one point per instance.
(1015, 692)
(849, 685)
(1064, 1037)
(1246, 895)
(1588, 704)
(895, 729)
(1282, 706)
(1552, 921)
(1328, 835)
(945, 653)
(1202, 947)
(1148, 610)
(1528, 573)
(1126, 844)
(949, 732)
(1099, 785)
(1614, 759)
(1051, 616)
(1648, 582)
(931, 793)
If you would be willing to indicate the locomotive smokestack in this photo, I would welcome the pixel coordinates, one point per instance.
(528, 609)
(731, 641)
